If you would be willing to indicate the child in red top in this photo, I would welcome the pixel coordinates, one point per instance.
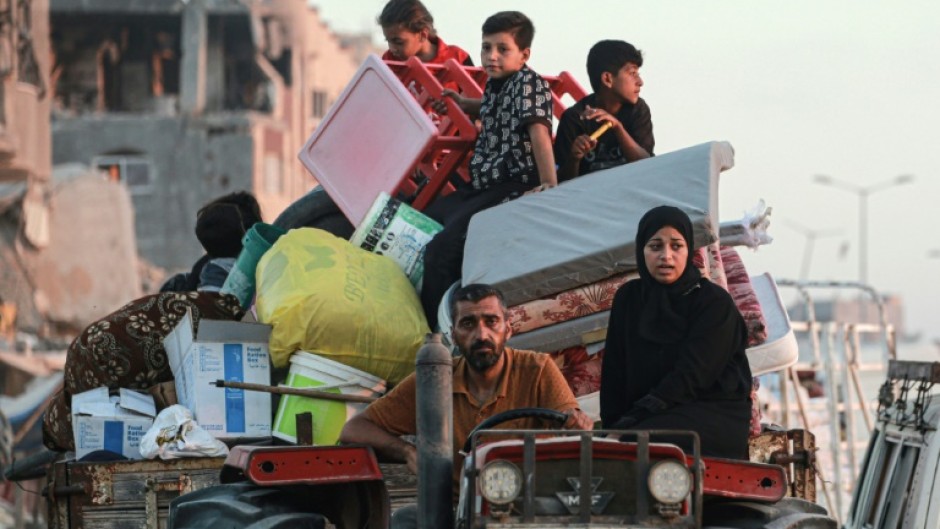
(409, 31)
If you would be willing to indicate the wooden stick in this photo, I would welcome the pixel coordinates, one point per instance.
(281, 390)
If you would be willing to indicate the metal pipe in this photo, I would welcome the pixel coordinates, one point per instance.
(887, 330)
(834, 430)
(857, 383)
(435, 431)
(849, 339)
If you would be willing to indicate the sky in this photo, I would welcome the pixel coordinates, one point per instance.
(799, 88)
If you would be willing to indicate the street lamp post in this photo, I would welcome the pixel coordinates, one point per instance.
(863, 193)
(811, 236)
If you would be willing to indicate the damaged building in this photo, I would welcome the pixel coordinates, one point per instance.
(183, 101)
(25, 154)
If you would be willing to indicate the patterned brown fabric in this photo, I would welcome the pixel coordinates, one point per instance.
(125, 350)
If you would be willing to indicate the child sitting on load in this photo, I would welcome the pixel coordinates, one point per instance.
(409, 30)
(512, 154)
(583, 143)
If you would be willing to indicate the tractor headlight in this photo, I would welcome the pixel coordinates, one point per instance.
(670, 481)
(500, 482)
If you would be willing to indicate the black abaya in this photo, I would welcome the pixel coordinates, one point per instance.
(675, 353)
(704, 379)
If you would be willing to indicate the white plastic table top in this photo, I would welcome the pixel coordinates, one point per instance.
(369, 141)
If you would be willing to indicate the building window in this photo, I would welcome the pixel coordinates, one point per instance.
(319, 103)
(134, 171)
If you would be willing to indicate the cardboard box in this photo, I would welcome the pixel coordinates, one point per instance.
(229, 350)
(116, 423)
(398, 231)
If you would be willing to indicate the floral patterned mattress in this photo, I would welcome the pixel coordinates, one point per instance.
(598, 297)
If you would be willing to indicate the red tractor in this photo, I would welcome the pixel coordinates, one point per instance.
(510, 478)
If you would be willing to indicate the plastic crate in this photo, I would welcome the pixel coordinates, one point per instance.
(382, 134)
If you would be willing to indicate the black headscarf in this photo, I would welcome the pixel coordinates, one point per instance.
(663, 319)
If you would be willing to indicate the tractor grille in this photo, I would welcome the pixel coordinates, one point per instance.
(553, 486)
(558, 479)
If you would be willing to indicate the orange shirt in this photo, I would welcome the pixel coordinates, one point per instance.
(529, 380)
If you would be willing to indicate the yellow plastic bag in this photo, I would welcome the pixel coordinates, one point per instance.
(320, 293)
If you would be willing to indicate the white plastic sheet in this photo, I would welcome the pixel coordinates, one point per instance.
(750, 231)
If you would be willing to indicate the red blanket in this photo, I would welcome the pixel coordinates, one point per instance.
(739, 285)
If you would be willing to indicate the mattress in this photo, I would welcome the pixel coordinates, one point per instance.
(780, 349)
(583, 230)
(598, 296)
(580, 331)
(567, 305)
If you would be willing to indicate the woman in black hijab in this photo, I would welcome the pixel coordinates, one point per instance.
(675, 357)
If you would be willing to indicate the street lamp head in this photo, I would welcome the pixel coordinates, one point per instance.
(822, 179)
(904, 179)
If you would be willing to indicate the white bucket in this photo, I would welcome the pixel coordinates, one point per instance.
(310, 371)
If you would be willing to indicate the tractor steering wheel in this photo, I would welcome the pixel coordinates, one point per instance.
(519, 413)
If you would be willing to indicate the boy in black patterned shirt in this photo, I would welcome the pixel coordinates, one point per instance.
(513, 152)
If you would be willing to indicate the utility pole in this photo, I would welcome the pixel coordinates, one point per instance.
(811, 236)
(863, 192)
